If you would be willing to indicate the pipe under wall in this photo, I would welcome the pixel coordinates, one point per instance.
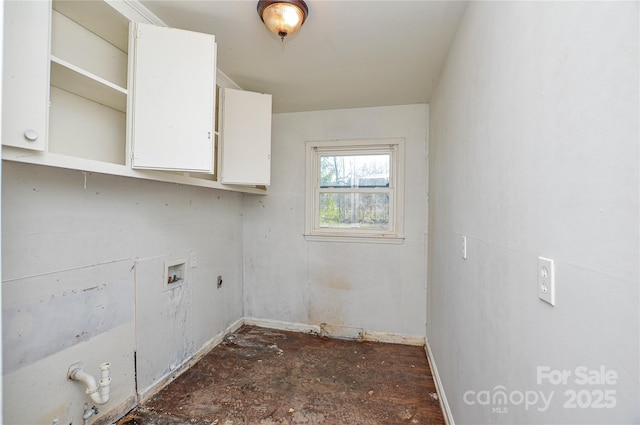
(98, 391)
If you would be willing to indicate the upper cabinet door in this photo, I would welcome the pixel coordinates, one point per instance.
(25, 81)
(172, 99)
(245, 135)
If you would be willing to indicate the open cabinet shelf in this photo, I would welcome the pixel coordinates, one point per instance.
(73, 79)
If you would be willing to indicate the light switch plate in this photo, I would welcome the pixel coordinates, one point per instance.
(193, 259)
(464, 247)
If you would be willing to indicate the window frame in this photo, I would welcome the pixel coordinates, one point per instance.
(392, 146)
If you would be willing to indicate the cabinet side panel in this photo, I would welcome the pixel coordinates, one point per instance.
(173, 99)
(246, 137)
(26, 73)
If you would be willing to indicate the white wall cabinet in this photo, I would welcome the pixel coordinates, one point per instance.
(173, 79)
(88, 93)
(245, 150)
(25, 81)
(102, 98)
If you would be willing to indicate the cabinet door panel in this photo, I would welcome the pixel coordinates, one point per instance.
(25, 83)
(173, 99)
(245, 132)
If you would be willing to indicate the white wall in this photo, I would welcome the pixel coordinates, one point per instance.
(83, 265)
(349, 286)
(1, 91)
(534, 152)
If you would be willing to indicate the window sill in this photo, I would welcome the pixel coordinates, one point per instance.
(394, 240)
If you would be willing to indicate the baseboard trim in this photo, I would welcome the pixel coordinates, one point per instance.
(153, 389)
(281, 325)
(446, 410)
(392, 338)
(337, 331)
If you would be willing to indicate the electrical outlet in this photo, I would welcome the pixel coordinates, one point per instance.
(219, 281)
(546, 280)
(193, 259)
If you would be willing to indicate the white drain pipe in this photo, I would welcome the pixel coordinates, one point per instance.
(99, 392)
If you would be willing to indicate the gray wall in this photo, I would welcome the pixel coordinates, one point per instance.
(533, 134)
(83, 281)
(534, 152)
(349, 286)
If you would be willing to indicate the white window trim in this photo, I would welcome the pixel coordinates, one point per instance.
(395, 235)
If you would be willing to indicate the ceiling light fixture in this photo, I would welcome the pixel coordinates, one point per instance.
(283, 17)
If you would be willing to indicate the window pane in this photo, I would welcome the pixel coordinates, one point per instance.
(354, 210)
(354, 170)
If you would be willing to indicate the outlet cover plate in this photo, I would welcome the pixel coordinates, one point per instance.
(546, 280)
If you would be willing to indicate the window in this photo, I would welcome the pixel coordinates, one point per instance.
(355, 190)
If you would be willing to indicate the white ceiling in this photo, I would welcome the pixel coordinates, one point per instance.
(347, 54)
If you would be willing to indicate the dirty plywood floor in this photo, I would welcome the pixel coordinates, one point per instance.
(268, 377)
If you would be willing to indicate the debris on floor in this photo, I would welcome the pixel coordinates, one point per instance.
(248, 379)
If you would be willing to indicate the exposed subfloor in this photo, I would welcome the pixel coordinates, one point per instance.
(264, 376)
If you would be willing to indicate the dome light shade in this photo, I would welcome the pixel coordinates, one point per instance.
(283, 17)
